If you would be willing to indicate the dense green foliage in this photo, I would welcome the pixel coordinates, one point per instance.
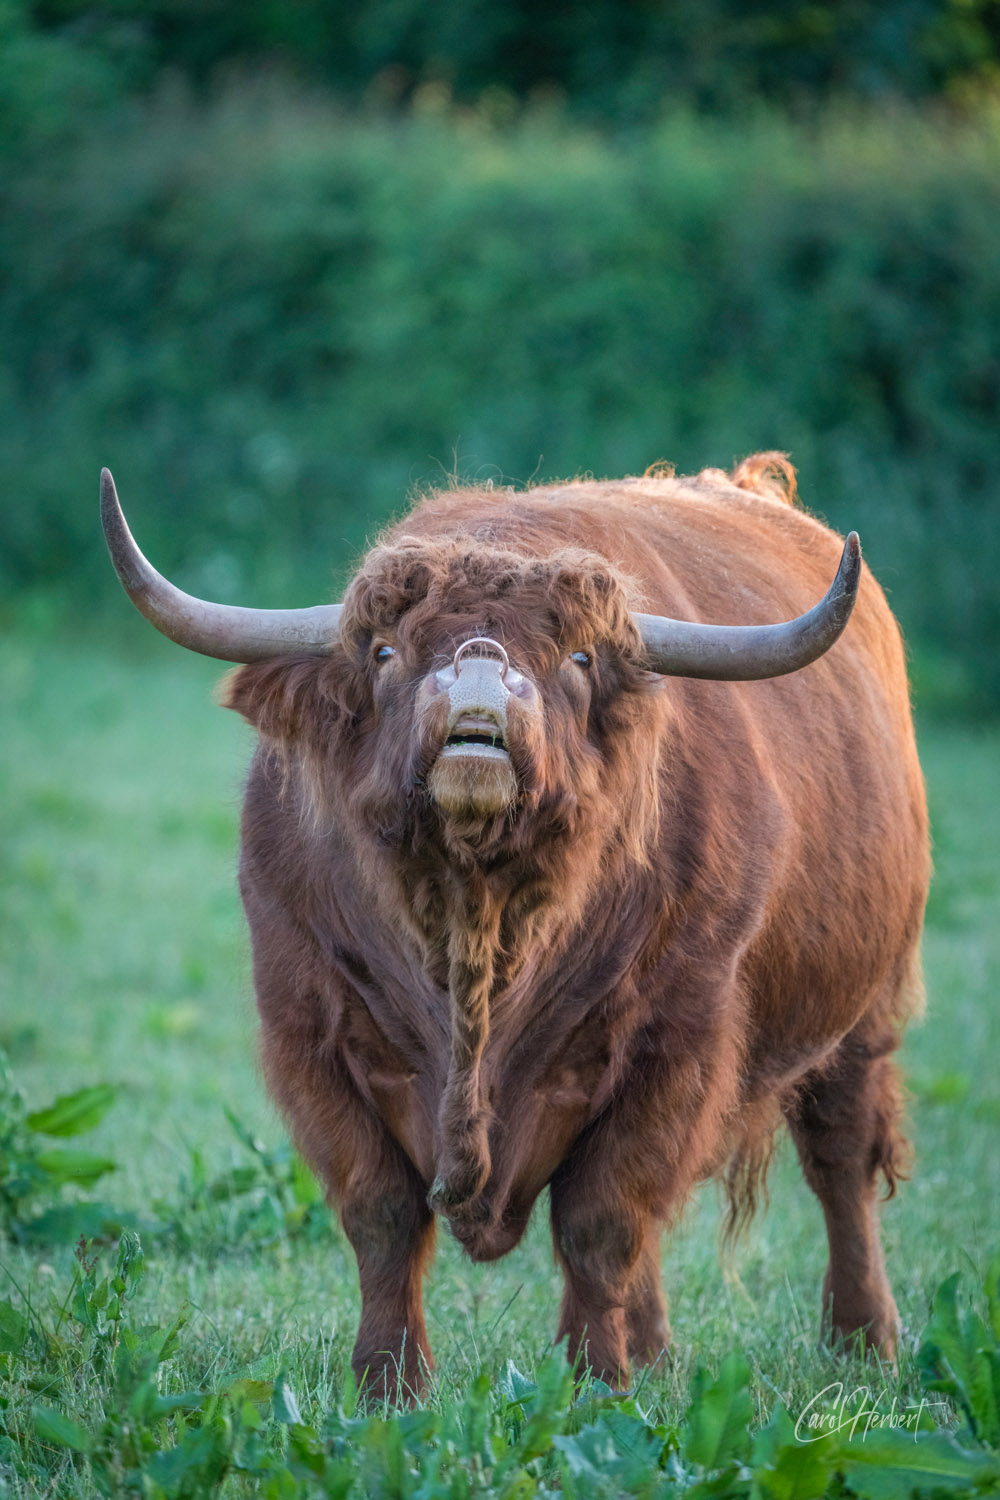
(259, 260)
(115, 1420)
(271, 319)
(510, 1436)
(610, 57)
(123, 966)
(262, 1197)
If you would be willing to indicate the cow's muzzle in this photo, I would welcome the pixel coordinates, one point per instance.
(479, 681)
(473, 774)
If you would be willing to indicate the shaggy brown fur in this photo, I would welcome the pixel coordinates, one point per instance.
(701, 911)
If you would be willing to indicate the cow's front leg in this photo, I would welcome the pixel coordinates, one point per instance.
(391, 1231)
(381, 1196)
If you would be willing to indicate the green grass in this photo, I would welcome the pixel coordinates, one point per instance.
(123, 957)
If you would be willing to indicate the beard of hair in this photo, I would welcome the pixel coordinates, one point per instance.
(472, 786)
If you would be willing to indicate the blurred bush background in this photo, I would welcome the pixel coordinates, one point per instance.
(276, 264)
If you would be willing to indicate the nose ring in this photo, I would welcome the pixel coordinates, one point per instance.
(483, 640)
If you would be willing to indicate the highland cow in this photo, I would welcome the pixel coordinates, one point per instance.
(580, 849)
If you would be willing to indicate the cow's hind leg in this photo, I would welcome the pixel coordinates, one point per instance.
(647, 1330)
(613, 1310)
(845, 1122)
(626, 1176)
(599, 1241)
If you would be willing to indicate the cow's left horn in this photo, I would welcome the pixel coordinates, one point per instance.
(741, 653)
(226, 631)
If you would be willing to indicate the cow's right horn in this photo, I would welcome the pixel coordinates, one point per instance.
(226, 631)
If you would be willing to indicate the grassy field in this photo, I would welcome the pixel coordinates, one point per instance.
(123, 958)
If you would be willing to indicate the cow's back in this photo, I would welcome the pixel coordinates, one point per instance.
(826, 754)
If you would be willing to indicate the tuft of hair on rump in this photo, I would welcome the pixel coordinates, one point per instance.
(744, 1179)
(770, 474)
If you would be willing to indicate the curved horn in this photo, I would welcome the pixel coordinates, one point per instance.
(226, 631)
(743, 653)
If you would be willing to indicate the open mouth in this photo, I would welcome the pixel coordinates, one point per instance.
(473, 775)
(477, 738)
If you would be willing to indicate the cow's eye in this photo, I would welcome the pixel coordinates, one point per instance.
(383, 653)
(582, 658)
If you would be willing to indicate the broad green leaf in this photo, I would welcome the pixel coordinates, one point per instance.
(894, 1465)
(259, 1392)
(719, 1415)
(984, 1380)
(64, 1223)
(589, 1454)
(194, 1465)
(475, 1420)
(956, 1358)
(72, 1114)
(183, 1401)
(13, 1328)
(785, 1468)
(168, 1342)
(546, 1412)
(773, 1436)
(64, 1165)
(513, 1386)
(632, 1434)
(798, 1473)
(52, 1427)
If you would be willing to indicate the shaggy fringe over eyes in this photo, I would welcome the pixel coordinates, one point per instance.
(433, 594)
(575, 595)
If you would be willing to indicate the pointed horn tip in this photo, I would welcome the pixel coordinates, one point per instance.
(109, 497)
(849, 572)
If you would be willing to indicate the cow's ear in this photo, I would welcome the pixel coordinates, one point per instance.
(285, 699)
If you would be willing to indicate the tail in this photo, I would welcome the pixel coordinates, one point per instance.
(745, 1178)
